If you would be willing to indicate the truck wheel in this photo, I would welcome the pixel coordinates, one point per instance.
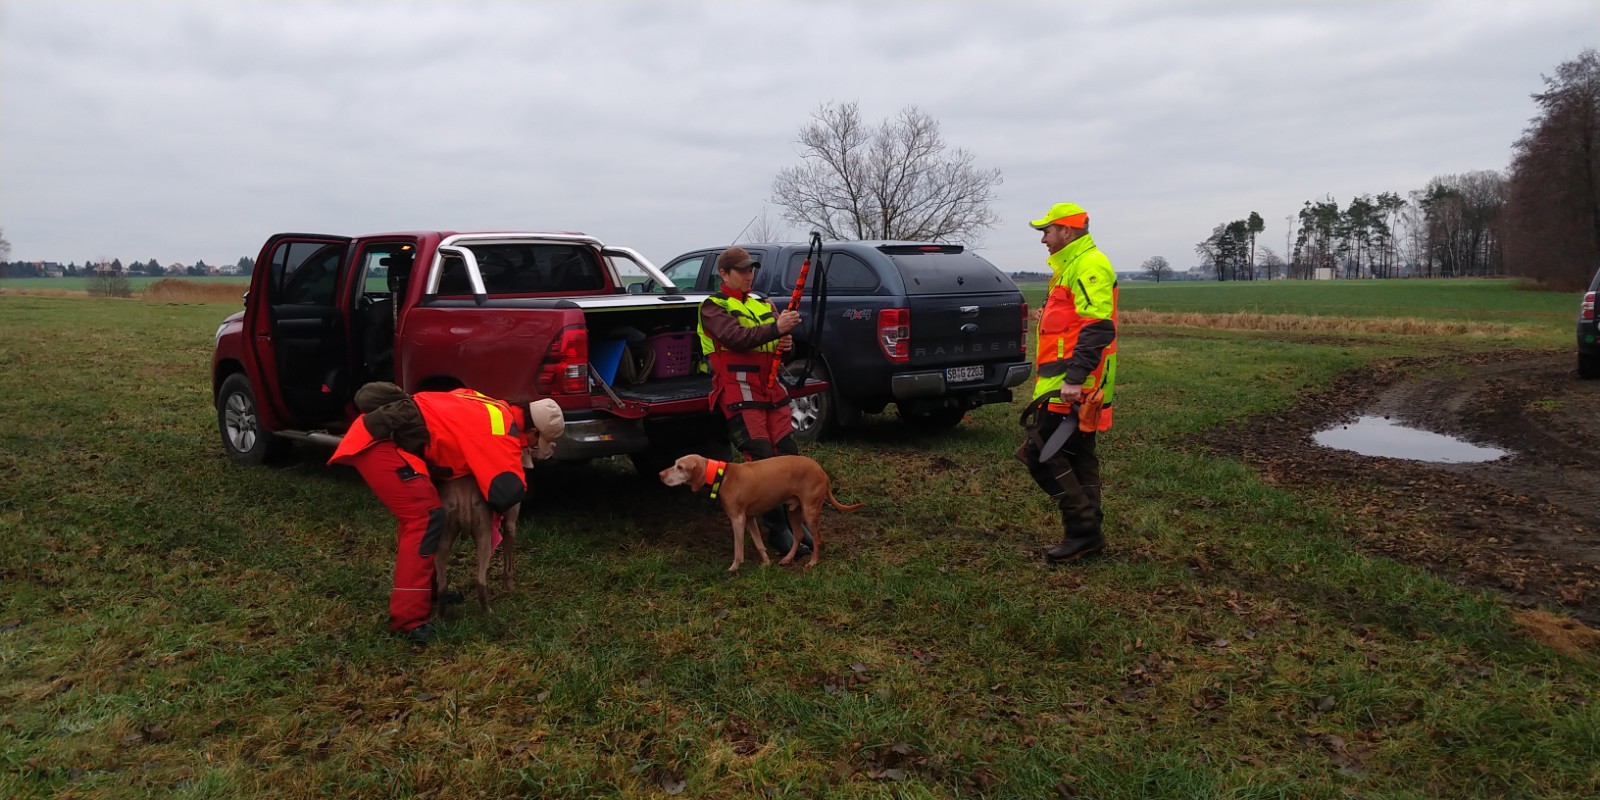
(1588, 366)
(932, 418)
(243, 438)
(817, 415)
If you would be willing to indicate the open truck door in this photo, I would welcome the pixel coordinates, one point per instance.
(300, 333)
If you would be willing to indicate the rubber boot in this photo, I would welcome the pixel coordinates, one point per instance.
(779, 538)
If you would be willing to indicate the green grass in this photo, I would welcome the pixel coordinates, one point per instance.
(1499, 300)
(137, 283)
(174, 626)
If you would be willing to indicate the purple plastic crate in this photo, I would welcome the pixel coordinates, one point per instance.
(674, 354)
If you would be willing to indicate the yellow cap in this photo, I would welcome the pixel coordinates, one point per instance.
(1070, 215)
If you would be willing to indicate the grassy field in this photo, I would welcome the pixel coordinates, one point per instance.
(1499, 300)
(137, 283)
(174, 626)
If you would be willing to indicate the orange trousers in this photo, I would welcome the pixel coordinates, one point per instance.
(410, 497)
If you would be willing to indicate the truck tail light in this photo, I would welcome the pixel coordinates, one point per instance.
(894, 334)
(1588, 306)
(566, 363)
(1024, 339)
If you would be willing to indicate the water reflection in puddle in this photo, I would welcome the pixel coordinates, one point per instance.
(1377, 436)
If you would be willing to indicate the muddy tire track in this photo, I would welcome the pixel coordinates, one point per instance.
(1527, 524)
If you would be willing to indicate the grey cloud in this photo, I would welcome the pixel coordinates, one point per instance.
(191, 130)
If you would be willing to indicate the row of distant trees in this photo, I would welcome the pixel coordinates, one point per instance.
(1448, 229)
(153, 268)
(1539, 219)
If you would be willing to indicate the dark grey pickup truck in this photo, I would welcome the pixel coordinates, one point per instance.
(933, 328)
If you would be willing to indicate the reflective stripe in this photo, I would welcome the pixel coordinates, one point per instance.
(497, 417)
(752, 312)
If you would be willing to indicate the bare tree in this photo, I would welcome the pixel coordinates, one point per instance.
(1553, 204)
(1156, 266)
(1461, 214)
(1272, 265)
(5, 246)
(898, 181)
(1213, 251)
(763, 229)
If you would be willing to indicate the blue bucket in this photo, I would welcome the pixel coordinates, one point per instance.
(605, 355)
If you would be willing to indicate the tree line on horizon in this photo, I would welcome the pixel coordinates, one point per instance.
(93, 267)
(1539, 219)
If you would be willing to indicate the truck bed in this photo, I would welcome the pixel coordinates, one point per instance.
(666, 390)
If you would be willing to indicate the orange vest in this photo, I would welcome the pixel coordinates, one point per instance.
(742, 379)
(457, 423)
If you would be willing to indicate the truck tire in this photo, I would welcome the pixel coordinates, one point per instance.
(243, 438)
(818, 415)
(1588, 366)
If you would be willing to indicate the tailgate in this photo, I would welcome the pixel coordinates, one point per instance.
(953, 330)
(964, 310)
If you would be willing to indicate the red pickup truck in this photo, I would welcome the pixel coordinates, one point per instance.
(519, 316)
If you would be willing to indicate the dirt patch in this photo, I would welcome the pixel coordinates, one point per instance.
(1527, 524)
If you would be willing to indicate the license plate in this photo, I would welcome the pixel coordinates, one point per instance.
(963, 374)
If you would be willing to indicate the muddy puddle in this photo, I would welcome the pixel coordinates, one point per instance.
(1382, 437)
(1526, 522)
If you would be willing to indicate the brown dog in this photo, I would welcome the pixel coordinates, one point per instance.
(467, 513)
(753, 488)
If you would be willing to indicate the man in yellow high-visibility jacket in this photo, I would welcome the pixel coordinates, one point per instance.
(1075, 363)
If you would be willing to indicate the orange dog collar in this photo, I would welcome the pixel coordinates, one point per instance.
(715, 472)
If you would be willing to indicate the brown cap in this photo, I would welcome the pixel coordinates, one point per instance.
(734, 258)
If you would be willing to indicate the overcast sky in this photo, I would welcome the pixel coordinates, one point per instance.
(192, 130)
